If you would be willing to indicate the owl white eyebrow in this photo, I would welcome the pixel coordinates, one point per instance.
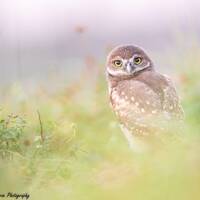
(132, 58)
(125, 61)
(136, 55)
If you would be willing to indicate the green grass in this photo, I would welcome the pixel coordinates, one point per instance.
(84, 154)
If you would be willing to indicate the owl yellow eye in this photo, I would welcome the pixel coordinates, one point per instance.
(117, 63)
(137, 60)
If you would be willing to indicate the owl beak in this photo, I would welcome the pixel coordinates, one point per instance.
(130, 68)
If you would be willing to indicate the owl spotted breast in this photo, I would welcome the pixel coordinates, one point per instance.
(144, 100)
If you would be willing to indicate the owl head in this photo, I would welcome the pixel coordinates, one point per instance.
(127, 60)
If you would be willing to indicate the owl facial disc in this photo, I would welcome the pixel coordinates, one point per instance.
(128, 61)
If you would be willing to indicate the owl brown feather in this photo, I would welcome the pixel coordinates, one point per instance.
(145, 101)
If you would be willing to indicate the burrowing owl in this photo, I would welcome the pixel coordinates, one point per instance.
(144, 100)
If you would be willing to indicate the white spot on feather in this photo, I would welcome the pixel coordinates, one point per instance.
(154, 111)
(147, 102)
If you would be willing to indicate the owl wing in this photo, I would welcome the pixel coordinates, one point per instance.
(171, 102)
(164, 87)
(146, 104)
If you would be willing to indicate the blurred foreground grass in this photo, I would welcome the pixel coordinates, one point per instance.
(84, 155)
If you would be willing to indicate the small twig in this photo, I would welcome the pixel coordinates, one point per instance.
(41, 127)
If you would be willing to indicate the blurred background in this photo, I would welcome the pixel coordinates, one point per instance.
(59, 139)
(44, 38)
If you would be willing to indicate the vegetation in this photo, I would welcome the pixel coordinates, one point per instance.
(67, 145)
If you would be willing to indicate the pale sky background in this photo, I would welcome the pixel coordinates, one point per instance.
(39, 35)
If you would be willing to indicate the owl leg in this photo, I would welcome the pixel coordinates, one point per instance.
(134, 143)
